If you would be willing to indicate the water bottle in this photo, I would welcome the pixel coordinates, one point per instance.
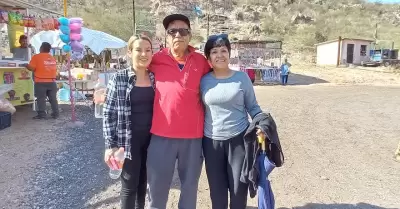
(117, 162)
(98, 110)
(99, 95)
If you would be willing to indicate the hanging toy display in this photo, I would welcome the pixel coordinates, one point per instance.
(3, 16)
(71, 36)
(20, 19)
(56, 24)
(12, 18)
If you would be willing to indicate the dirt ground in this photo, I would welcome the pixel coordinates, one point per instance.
(339, 142)
(309, 74)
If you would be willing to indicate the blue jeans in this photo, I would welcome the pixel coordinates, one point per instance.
(284, 79)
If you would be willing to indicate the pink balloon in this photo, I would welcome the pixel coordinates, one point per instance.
(75, 27)
(75, 37)
(76, 20)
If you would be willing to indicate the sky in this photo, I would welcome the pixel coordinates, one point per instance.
(385, 1)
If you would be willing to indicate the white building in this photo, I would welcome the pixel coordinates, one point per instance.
(352, 51)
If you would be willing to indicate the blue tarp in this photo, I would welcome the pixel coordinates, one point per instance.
(97, 41)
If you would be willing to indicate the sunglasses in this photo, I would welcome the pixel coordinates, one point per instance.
(218, 36)
(182, 31)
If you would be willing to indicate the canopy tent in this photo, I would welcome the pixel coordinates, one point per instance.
(97, 41)
(19, 4)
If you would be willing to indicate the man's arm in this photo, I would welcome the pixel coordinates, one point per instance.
(30, 68)
(32, 64)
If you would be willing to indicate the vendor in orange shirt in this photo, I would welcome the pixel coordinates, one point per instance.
(44, 67)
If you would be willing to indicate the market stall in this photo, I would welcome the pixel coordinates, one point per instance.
(97, 45)
(262, 57)
(15, 18)
(101, 49)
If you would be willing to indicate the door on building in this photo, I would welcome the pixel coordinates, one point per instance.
(350, 53)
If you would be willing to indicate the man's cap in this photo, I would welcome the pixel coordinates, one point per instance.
(170, 18)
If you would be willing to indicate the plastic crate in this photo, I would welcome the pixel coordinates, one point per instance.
(5, 120)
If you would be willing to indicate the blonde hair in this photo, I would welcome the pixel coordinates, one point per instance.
(131, 41)
(135, 38)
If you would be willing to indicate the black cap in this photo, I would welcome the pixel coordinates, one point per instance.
(170, 18)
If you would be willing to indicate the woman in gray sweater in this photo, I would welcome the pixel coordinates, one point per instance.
(229, 98)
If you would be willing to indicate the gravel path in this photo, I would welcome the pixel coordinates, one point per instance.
(339, 143)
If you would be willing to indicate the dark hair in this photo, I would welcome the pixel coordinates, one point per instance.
(23, 37)
(45, 47)
(216, 41)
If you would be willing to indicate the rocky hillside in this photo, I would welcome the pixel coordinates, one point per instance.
(299, 23)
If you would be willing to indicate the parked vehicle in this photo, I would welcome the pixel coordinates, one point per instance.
(383, 57)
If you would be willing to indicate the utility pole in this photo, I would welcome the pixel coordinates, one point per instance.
(134, 17)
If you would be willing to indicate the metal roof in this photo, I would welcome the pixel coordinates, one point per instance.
(351, 39)
(255, 42)
(19, 4)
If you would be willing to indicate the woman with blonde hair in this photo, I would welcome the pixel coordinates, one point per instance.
(128, 112)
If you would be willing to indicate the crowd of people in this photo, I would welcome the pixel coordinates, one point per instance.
(178, 107)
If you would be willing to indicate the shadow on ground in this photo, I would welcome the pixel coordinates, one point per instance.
(296, 79)
(336, 206)
(75, 176)
(75, 173)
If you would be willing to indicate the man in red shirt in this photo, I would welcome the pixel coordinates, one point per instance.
(178, 117)
(252, 75)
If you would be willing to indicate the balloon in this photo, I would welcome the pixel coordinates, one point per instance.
(75, 37)
(76, 56)
(66, 48)
(63, 21)
(65, 38)
(77, 31)
(65, 29)
(76, 46)
(75, 27)
(76, 20)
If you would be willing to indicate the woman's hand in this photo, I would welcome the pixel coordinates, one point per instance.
(107, 156)
(260, 133)
(260, 136)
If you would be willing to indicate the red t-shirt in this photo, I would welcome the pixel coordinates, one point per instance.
(178, 109)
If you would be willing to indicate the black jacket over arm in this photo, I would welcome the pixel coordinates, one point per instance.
(250, 170)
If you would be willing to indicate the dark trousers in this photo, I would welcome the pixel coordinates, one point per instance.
(284, 79)
(44, 91)
(134, 175)
(224, 160)
(164, 155)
